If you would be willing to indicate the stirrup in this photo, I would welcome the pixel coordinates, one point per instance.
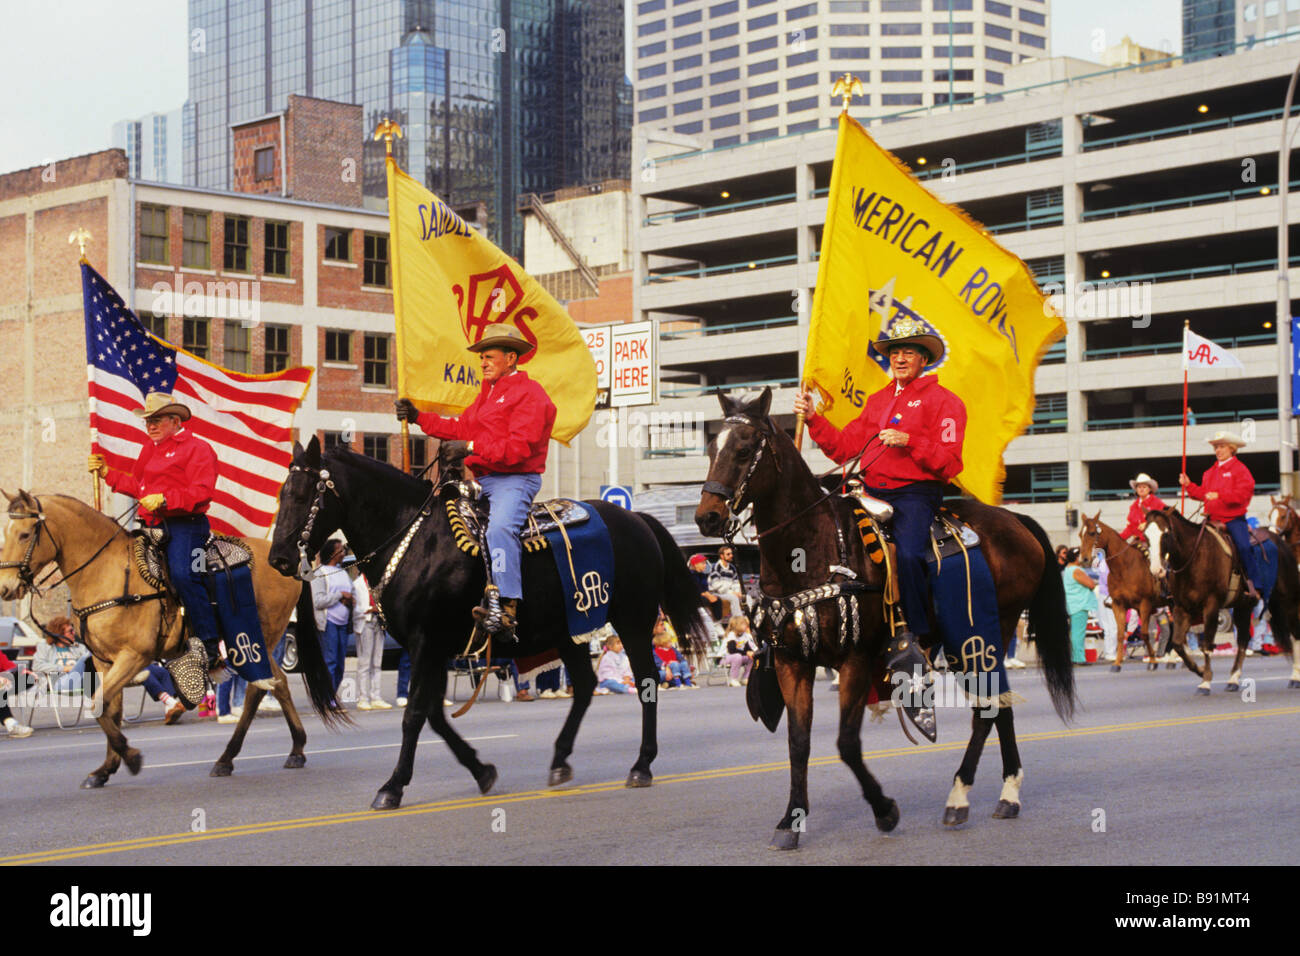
(903, 656)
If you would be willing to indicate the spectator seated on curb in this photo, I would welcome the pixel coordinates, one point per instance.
(674, 671)
(10, 674)
(62, 658)
(738, 650)
(724, 581)
(613, 672)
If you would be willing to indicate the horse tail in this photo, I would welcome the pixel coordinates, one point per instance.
(311, 664)
(1050, 623)
(1286, 594)
(681, 601)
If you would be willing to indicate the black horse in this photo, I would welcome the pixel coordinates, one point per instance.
(428, 599)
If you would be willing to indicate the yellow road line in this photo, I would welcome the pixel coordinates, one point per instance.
(466, 803)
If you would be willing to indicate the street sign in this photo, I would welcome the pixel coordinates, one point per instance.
(597, 339)
(634, 366)
(617, 495)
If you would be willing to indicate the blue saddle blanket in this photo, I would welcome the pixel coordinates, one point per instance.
(968, 621)
(1266, 563)
(240, 626)
(586, 598)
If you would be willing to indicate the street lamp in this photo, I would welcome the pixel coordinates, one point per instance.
(1285, 474)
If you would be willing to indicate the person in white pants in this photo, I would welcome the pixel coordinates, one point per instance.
(1105, 615)
(370, 643)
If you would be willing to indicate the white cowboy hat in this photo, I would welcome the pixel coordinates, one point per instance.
(1227, 438)
(1144, 479)
(161, 403)
(502, 336)
(908, 331)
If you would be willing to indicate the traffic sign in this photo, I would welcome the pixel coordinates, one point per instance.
(619, 495)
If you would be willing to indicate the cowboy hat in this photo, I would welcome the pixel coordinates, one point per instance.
(1144, 479)
(502, 336)
(907, 330)
(1227, 438)
(161, 403)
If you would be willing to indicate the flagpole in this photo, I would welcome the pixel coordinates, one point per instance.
(81, 236)
(1182, 489)
(387, 129)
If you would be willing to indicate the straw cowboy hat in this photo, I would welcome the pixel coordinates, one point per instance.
(1227, 438)
(909, 331)
(502, 336)
(1144, 479)
(161, 403)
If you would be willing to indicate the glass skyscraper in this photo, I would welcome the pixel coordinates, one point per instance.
(496, 98)
(1209, 28)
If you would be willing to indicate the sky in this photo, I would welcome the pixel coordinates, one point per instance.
(72, 68)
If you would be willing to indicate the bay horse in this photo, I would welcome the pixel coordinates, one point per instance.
(93, 555)
(428, 590)
(804, 533)
(1130, 583)
(1197, 569)
(1284, 521)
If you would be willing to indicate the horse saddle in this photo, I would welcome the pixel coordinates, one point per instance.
(150, 556)
(469, 519)
(949, 535)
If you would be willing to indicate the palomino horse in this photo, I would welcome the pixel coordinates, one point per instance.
(1198, 569)
(427, 587)
(755, 462)
(93, 556)
(1284, 521)
(1130, 583)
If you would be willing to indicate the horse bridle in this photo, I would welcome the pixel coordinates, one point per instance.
(323, 483)
(732, 496)
(26, 575)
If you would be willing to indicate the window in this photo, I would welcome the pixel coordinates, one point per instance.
(687, 106)
(1270, 8)
(800, 34)
(850, 29)
(685, 86)
(652, 49)
(758, 23)
(850, 6)
(1248, 14)
(724, 31)
(799, 82)
(903, 76)
(725, 53)
(864, 76)
(234, 355)
(276, 258)
(762, 113)
(688, 62)
(762, 89)
(900, 6)
(332, 440)
(758, 46)
(338, 244)
(651, 116)
(946, 5)
(726, 141)
(725, 99)
(235, 255)
(722, 9)
(1029, 16)
(375, 370)
(153, 234)
(156, 324)
(721, 122)
(194, 337)
(955, 51)
(654, 92)
(954, 28)
(649, 6)
(798, 106)
(1001, 9)
(856, 52)
(993, 53)
(798, 13)
(686, 19)
(901, 99)
(650, 72)
(375, 270)
(993, 30)
(375, 446)
(994, 77)
(758, 134)
(194, 247)
(420, 456)
(725, 76)
(264, 164)
(767, 66)
(690, 129)
(894, 52)
(1030, 39)
(958, 76)
(900, 29)
(654, 26)
(691, 39)
(276, 349)
(338, 347)
(808, 56)
(807, 126)
(751, 4)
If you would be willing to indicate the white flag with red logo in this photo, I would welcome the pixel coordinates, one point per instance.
(1199, 352)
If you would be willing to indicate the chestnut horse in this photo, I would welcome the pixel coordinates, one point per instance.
(1130, 583)
(1197, 569)
(93, 556)
(805, 534)
(1284, 521)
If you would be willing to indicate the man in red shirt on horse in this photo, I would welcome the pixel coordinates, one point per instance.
(1226, 488)
(508, 428)
(1145, 487)
(920, 426)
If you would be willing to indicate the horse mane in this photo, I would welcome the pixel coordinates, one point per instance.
(83, 510)
(375, 469)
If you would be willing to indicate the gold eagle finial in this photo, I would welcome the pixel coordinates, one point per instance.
(847, 86)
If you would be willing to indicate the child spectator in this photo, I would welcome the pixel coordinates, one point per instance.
(673, 670)
(613, 672)
(738, 650)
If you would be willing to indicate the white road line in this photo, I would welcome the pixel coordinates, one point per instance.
(139, 742)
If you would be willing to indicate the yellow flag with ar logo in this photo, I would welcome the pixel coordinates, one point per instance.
(449, 284)
(892, 252)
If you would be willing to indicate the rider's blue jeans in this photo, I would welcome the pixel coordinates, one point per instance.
(915, 506)
(509, 498)
(1240, 532)
(186, 538)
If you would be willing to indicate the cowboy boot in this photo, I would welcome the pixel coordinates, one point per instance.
(903, 656)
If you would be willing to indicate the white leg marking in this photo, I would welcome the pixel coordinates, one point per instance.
(957, 796)
(1011, 787)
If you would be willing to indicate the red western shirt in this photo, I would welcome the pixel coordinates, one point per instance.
(1234, 483)
(509, 423)
(1137, 513)
(181, 468)
(933, 418)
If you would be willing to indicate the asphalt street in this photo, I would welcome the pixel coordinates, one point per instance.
(1148, 773)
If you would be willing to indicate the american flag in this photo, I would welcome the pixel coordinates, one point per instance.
(245, 418)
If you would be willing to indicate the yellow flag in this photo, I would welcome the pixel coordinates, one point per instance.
(891, 251)
(449, 284)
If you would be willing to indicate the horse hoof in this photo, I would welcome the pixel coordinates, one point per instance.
(784, 840)
(638, 778)
(1006, 810)
(94, 781)
(1115, 668)
(955, 816)
(1293, 684)
(221, 770)
(1153, 666)
(295, 761)
(486, 777)
(134, 760)
(386, 801)
(1231, 688)
(559, 775)
(890, 819)
(1203, 691)
(1171, 666)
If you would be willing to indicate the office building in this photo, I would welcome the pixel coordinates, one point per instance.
(152, 145)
